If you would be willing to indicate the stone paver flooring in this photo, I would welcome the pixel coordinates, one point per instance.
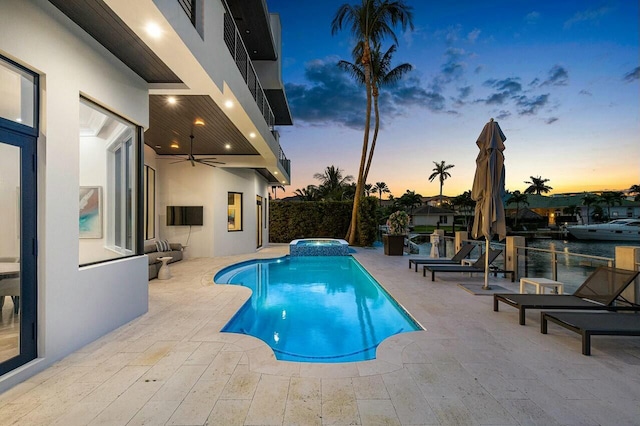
(471, 366)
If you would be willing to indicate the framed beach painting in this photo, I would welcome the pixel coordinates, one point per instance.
(90, 212)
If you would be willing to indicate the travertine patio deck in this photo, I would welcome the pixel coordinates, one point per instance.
(470, 366)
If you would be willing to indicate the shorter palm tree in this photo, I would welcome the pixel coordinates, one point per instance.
(310, 193)
(635, 190)
(537, 186)
(518, 199)
(381, 188)
(274, 189)
(332, 183)
(410, 200)
(611, 198)
(440, 172)
(588, 200)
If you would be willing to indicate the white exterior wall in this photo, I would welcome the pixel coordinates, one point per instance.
(75, 305)
(183, 185)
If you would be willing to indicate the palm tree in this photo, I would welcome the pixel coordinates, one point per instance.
(440, 171)
(381, 75)
(635, 189)
(587, 200)
(611, 198)
(332, 182)
(537, 186)
(367, 189)
(518, 198)
(465, 205)
(572, 210)
(274, 189)
(310, 193)
(369, 22)
(381, 188)
(410, 200)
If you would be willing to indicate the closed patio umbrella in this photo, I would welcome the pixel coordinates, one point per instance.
(488, 188)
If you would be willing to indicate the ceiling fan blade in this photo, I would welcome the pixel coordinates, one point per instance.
(205, 164)
(179, 161)
(204, 160)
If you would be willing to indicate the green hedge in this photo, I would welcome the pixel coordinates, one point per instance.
(290, 220)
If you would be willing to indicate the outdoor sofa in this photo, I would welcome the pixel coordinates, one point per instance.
(161, 248)
(589, 324)
(600, 290)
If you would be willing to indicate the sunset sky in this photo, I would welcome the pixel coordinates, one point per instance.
(561, 78)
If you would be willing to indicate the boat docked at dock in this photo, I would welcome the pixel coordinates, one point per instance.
(616, 230)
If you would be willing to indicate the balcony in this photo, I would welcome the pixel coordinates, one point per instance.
(240, 56)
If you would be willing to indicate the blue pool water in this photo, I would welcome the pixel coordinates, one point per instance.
(315, 309)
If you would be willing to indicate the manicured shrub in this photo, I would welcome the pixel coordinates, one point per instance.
(290, 220)
(367, 222)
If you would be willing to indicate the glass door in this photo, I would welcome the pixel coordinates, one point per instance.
(18, 245)
(17, 250)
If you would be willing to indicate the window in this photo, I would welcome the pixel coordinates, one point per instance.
(443, 219)
(18, 94)
(109, 160)
(149, 203)
(234, 211)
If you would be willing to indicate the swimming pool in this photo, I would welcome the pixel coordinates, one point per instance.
(315, 309)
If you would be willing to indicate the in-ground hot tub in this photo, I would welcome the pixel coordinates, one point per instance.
(319, 247)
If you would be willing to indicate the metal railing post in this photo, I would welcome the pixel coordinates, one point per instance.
(554, 266)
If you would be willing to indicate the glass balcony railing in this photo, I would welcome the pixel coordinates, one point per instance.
(239, 53)
(189, 8)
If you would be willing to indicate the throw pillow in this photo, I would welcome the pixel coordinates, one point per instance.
(163, 245)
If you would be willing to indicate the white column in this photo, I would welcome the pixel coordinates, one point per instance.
(511, 262)
(628, 258)
(460, 237)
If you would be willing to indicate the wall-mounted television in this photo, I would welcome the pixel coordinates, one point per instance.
(184, 215)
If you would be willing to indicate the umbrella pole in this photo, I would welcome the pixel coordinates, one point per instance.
(486, 266)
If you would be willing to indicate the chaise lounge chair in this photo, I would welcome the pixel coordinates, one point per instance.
(599, 291)
(478, 266)
(590, 324)
(464, 251)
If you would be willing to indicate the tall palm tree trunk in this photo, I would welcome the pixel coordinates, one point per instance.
(375, 131)
(366, 62)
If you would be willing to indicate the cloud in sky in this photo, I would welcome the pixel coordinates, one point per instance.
(558, 76)
(632, 75)
(331, 96)
(532, 17)
(586, 16)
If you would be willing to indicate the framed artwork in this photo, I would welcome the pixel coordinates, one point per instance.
(90, 212)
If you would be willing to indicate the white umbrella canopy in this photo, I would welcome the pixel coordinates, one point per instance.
(488, 188)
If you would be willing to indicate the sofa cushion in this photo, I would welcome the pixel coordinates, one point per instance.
(149, 248)
(163, 245)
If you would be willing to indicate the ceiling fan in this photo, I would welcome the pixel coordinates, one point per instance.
(208, 161)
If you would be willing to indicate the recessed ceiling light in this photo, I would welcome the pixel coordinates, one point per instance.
(171, 100)
(158, 146)
(199, 122)
(252, 135)
(175, 145)
(255, 51)
(283, 181)
(247, 31)
(154, 30)
(19, 120)
(228, 104)
(228, 146)
(275, 173)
